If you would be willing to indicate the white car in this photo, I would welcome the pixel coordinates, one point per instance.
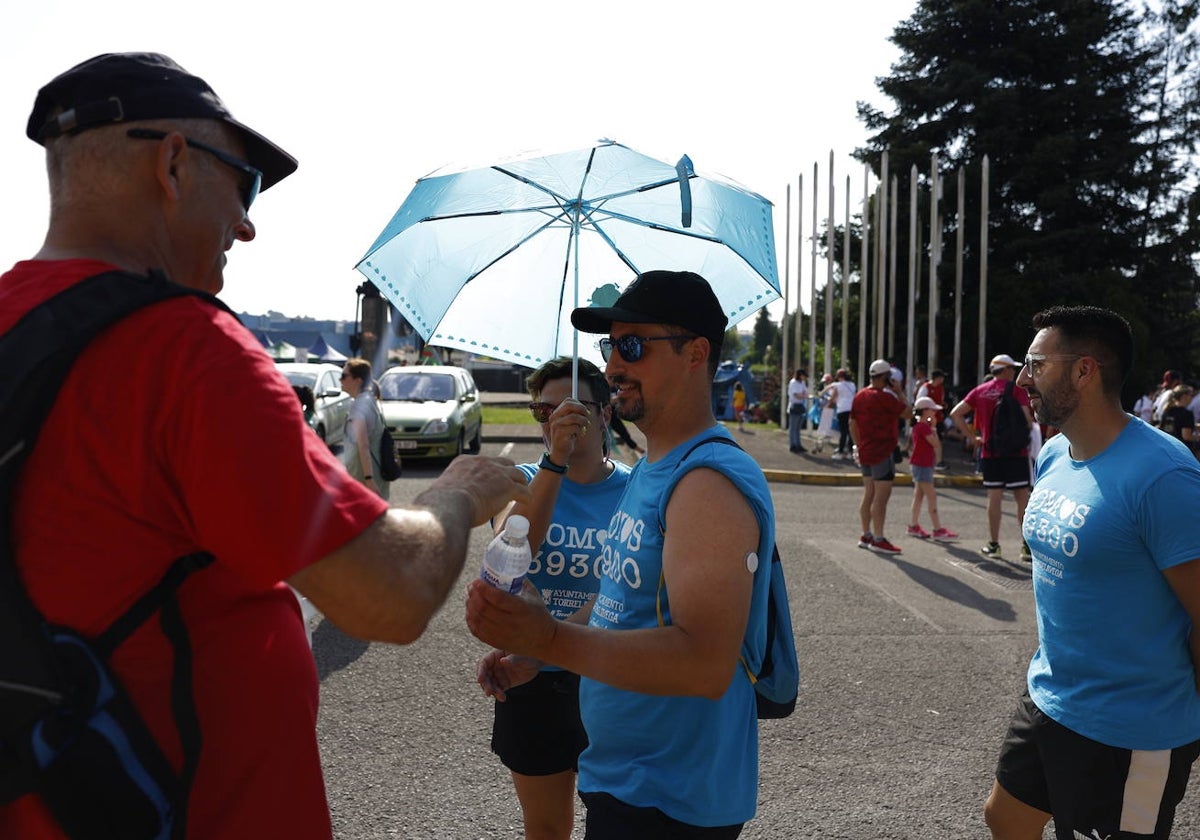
(331, 404)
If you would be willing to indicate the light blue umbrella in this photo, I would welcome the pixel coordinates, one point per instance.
(493, 260)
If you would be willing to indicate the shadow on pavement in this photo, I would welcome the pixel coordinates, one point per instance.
(333, 649)
(956, 590)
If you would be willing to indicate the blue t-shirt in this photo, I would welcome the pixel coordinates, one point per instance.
(566, 566)
(693, 758)
(1113, 661)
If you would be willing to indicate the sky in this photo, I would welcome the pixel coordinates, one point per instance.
(372, 96)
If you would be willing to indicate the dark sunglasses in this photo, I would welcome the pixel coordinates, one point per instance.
(250, 181)
(630, 346)
(541, 411)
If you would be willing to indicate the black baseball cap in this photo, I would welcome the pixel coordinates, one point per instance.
(682, 298)
(124, 87)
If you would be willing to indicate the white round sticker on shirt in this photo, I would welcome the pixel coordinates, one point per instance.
(752, 562)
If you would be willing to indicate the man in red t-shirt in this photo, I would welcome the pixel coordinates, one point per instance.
(173, 433)
(875, 432)
(1000, 472)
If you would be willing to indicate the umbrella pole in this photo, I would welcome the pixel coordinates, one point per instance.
(575, 332)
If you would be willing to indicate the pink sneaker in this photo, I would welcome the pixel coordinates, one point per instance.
(944, 535)
(882, 546)
(917, 531)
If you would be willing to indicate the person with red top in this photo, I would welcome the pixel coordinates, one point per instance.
(1000, 472)
(926, 451)
(148, 170)
(875, 432)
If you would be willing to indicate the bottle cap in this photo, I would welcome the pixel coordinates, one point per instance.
(517, 526)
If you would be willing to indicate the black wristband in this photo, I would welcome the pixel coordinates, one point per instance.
(547, 464)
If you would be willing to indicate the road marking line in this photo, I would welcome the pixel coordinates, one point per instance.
(508, 447)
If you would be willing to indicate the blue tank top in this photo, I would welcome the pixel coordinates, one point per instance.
(693, 758)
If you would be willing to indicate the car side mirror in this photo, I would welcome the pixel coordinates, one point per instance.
(333, 392)
(469, 397)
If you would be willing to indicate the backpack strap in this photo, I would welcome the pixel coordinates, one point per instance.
(662, 579)
(40, 350)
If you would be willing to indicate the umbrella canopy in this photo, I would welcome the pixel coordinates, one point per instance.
(493, 260)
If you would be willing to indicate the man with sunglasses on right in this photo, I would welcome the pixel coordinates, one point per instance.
(680, 619)
(1104, 737)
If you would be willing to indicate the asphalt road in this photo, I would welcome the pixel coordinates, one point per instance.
(911, 666)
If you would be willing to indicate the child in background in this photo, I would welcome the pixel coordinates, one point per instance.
(926, 451)
(739, 405)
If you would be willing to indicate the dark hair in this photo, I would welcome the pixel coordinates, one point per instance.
(936, 373)
(560, 368)
(305, 395)
(1092, 331)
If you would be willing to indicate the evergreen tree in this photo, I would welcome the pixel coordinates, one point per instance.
(1082, 109)
(765, 331)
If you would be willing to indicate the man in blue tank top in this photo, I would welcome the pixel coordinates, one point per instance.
(680, 617)
(1104, 739)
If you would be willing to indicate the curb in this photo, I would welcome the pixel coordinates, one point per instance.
(827, 479)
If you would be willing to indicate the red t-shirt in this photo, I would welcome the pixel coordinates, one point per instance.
(983, 399)
(875, 412)
(922, 450)
(173, 433)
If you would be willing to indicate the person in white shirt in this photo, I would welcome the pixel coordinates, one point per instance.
(797, 409)
(842, 390)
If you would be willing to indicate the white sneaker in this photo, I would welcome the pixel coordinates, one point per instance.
(837, 456)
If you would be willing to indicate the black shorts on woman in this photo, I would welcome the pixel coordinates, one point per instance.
(536, 730)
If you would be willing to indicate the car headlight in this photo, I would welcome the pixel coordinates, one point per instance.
(438, 427)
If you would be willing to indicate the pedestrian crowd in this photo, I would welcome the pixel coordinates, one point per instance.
(625, 671)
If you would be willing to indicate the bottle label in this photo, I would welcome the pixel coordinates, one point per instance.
(511, 585)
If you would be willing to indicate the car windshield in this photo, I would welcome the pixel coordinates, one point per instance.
(295, 377)
(417, 387)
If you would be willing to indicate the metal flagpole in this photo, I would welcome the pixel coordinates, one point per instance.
(935, 244)
(829, 273)
(846, 279)
(960, 224)
(913, 280)
(864, 279)
(812, 318)
(881, 299)
(798, 332)
(983, 263)
(891, 344)
(787, 280)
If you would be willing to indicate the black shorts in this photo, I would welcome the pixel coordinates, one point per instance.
(608, 818)
(1088, 786)
(1012, 472)
(537, 730)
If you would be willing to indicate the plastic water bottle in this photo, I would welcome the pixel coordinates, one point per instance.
(508, 556)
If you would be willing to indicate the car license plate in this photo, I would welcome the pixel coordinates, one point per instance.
(406, 444)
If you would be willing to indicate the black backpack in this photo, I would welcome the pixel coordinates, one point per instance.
(389, 468)
(1010, 428)
(67, 729)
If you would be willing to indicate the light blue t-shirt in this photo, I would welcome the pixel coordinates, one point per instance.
(1113, 661)
(566, 566)
(693, 758)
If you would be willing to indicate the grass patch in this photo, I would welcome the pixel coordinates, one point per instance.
(507, 415)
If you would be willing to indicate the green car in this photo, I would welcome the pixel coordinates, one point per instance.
(432, 411)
